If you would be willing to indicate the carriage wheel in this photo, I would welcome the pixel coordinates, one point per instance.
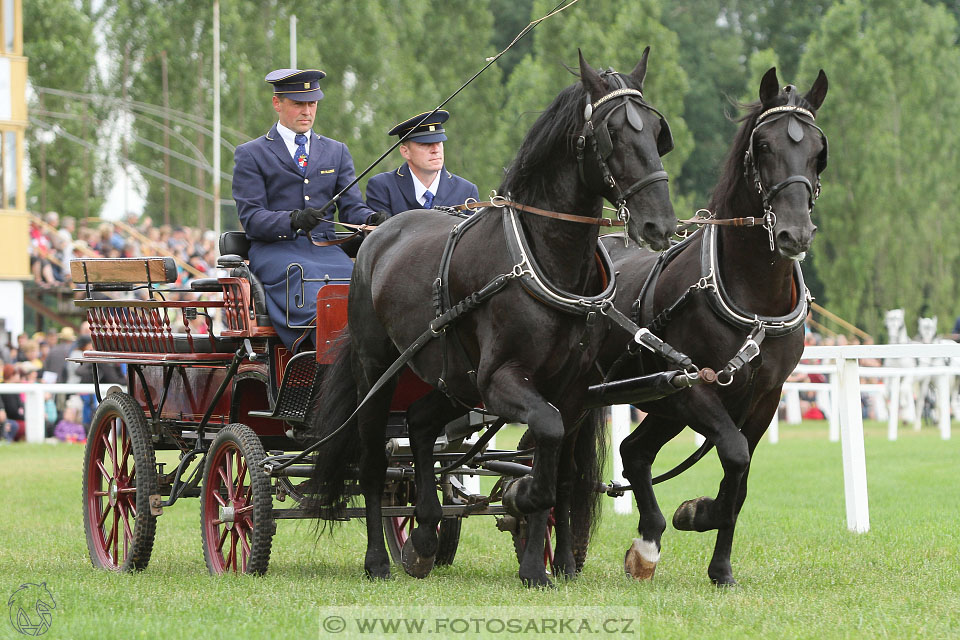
(397, 529)
(119, 476)
(236, 514)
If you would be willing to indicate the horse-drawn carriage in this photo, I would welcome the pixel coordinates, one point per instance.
(239, 401)
(527, 319)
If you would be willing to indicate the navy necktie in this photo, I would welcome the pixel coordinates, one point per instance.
(300, 155)
(427, 199)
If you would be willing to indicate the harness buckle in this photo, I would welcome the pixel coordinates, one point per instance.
(769, 222)
(623, 215)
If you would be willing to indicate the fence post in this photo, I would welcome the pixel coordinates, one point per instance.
(620, 428)
(943, 404)
(33, 416)
(834, 407)
(893, 412)
(851, 445)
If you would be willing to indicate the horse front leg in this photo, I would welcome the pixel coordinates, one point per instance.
(638, 451)
(508, 391)
(564, 562)
(425, 420)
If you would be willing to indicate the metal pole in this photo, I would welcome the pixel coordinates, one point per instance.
(293, 41)
(215, 173)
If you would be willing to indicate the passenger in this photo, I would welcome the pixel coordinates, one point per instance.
(422, 181)
(279, 180)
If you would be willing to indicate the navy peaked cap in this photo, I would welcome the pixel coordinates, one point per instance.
(424, 129)
(296, 84)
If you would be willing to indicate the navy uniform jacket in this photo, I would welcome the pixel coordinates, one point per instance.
(393, 191)
(267, 186)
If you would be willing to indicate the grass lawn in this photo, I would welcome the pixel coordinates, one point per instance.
(801, 573)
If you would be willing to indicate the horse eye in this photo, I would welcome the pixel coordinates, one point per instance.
(763, 147)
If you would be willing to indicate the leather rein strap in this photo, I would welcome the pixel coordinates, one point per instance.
(500, 202)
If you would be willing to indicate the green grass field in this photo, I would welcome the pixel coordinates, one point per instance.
(801, 573)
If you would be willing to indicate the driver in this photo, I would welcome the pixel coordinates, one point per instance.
(279, 180)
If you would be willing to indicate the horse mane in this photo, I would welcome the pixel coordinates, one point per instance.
(550, 140)
(725, 193)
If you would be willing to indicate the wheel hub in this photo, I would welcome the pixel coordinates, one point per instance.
(227, 515)
(112, 492)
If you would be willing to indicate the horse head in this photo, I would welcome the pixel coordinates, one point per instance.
(786, 153)
(619, 152)
(927, 328)
(896, 326)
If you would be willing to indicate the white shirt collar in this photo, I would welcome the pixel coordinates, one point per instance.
(288, 136)
(419, 188)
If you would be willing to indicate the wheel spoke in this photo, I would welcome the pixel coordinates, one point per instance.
(127, 531)
(103, 516)
(116, 537)
(241, 470)
(103, 471)
(125, 455)
(223, 537)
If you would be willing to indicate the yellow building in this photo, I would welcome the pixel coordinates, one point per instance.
(14, 223)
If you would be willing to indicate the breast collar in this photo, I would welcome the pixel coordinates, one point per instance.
(711, 284)
(536, 283)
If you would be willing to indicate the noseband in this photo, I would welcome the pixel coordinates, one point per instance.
(752, 171)
(601, 146)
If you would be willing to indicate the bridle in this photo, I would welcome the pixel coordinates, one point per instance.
(596, 135)
(797, 115)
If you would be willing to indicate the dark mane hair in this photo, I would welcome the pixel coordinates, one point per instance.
(732, 177)
(551, 140)
(552, 136)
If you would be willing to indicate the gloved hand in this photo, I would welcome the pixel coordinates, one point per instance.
(305, 219)
(377, 218)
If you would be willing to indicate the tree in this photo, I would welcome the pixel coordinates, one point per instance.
(67, 175)
(608, 33)
(884, 240)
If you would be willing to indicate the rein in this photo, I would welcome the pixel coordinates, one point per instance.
(501, 202)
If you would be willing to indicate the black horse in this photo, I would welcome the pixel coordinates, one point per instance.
(709, 297)
(522, 351)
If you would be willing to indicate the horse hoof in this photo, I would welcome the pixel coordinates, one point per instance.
(413, 563)
(724, 583)
(509, 500)
(641, 559)
(685, 515)
(377, 574)
(537, 582)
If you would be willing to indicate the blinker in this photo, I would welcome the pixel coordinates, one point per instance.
(633, 116)
(794, 129)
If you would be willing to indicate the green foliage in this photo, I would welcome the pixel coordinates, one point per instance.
(884, 241)
(66, 176)
(885, 236)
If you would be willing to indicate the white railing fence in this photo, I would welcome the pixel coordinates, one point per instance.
(840, 398)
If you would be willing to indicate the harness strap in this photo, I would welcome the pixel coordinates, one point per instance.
(501, 202)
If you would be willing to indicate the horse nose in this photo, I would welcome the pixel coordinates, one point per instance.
(657, 235)
(793, 242)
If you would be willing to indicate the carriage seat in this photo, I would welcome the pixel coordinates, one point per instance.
(234, 254)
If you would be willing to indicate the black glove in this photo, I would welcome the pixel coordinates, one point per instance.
(305, 219)
(377, 218)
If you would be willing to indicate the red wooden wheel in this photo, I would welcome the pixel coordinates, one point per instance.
(237, 524)
(397, 529)
(119, 476)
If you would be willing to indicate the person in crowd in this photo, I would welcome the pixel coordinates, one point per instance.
(280, 183)
(12, 414)
(422, 181)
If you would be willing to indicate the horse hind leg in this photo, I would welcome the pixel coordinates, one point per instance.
(638, 452)
(533, 572)
(373, 473)
(425, 421)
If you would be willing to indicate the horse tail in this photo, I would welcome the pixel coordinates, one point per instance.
(589, 456)
(336, 459)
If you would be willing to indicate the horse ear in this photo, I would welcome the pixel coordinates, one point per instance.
(769, 86)
(818, 91)
(640, 71)
(590, 78)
